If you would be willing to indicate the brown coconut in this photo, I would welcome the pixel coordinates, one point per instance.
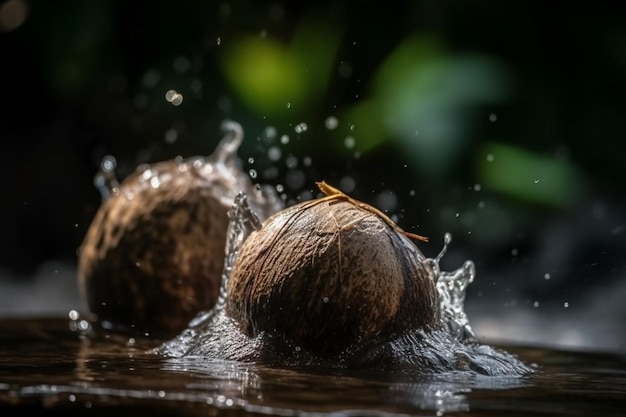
(153, 255)
(327, 274)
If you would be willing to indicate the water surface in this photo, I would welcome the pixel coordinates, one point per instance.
(47, 367)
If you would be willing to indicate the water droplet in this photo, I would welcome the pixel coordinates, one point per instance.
(490, 157)
(546, 276)
(253, 173)
(514, 252)
(291, 162)
(284, 139)
(288, 105)
(349, 142)
(105, 180)
(331, 123)
(307, 161)
(536, 304)
(566, 304)
(477, 187)
(73, 315)
(457, 215)
(251, 160)
(493, 117)
(146, 174)
(170, 136)
(325, 299)
(219, 41)
(274, 153)
(301, 127)
(174, 97)
(169, 95)
(386, 201)
(536, 180)
(108, 163)
(351, 127)
(481, 204)
(280, 188)
(270, 132)
(412, 193)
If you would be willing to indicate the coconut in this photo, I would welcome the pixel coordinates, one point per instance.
(328, 274)
(153, 255)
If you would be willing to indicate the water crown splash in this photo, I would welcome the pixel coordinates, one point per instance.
(451, 288)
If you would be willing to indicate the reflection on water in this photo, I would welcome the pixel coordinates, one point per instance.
(47, 367)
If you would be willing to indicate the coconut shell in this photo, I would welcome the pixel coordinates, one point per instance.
(153, 255)
(327, 274)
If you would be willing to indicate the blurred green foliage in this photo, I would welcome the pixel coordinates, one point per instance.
(422, 96)
(403, 101)
(272, 77)
(528, 177)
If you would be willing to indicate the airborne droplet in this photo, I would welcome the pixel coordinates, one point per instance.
(331, 123)
(301, 127)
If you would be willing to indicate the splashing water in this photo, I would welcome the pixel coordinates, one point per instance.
(450, 348)
(105, 180)
(220, 171)
(242, 222)
(451, 287)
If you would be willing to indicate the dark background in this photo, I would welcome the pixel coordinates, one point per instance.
(500, 122)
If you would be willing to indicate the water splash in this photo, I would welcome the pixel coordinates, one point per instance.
(451, 348)
(242, 222)
(220, 172)
(451, 288)
(105, 180)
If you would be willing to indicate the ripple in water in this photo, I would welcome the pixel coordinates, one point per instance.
(450, 348)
